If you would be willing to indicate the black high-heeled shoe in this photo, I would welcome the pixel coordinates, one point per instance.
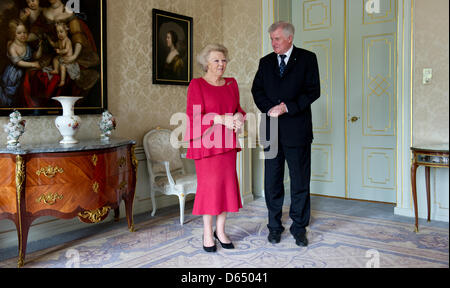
(224, 245)
(210, 248)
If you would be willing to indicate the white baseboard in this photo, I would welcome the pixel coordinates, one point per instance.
(422, 214)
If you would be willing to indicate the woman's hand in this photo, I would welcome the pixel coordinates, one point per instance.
(234, 122)
(238, 120)
(225, 120)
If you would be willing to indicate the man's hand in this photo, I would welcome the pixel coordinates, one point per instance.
(278, 110)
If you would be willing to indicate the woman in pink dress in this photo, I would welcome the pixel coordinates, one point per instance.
(215, 116)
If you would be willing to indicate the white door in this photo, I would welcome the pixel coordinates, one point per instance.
(372, 101)
(353, 156)
(320, 28)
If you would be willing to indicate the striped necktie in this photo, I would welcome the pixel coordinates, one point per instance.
(282, 65)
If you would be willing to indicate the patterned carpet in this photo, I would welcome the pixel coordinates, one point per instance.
(335, 241)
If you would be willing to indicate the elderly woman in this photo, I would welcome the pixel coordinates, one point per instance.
(214, 117)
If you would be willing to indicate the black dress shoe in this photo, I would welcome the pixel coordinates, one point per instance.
(274, 237)
(301, 240)
(210, 248)
(224, 245)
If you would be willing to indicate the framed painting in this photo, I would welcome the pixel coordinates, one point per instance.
(51, 48)
(172, 48)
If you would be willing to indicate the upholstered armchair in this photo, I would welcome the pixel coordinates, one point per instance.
(165, 168)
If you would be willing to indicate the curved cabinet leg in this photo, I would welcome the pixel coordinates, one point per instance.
(427, 182)
(129, 198)
(22, 234)
(22, 223)
(414, 194)
(129, 212)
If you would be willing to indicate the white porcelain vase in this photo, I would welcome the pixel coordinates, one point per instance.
(68, 124)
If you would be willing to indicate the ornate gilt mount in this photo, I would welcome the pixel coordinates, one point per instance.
(49, 198)
(20, 180)
(94, 159)
(123, 185)
(134, 159)
(94, 216)
(95, 187)
(49, 171)
(122, 162)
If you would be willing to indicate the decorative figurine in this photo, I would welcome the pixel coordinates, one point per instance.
(107, 124)
(15, 128)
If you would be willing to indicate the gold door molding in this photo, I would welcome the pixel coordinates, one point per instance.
(379, 86)
(316, 15)
(388, 12)
(323, 122)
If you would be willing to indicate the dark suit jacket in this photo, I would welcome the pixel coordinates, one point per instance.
(298, 89)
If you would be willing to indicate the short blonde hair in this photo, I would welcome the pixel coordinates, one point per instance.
(202, 57)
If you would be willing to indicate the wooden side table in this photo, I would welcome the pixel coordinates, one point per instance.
(428, 156)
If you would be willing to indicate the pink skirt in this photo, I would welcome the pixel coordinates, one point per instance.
(217, 185)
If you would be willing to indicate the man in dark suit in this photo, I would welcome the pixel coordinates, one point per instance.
(286, 84)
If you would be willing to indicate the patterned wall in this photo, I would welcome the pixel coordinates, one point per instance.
(431, 114)
(242, 37)
(138, 104)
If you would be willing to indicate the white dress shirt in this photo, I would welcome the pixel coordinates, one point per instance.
(286, 59)
(288, 55)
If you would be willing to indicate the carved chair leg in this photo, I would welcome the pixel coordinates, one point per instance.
(152, 195)
(182, 202)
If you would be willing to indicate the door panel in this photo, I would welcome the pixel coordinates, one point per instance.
(320, 29)
(372, 100)
(328, 28)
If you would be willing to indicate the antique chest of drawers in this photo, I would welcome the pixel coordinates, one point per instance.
(85, 180)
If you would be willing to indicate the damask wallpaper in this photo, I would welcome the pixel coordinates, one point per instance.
(140, 106)
(137, 104)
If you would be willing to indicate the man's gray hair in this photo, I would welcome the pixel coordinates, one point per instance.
(288, 28)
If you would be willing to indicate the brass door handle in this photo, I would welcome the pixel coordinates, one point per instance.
(354, 119)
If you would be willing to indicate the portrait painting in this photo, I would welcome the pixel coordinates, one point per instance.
(172, 48)
(51, 48)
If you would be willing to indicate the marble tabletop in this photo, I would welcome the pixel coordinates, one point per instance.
(86, 144)
(436, 147)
